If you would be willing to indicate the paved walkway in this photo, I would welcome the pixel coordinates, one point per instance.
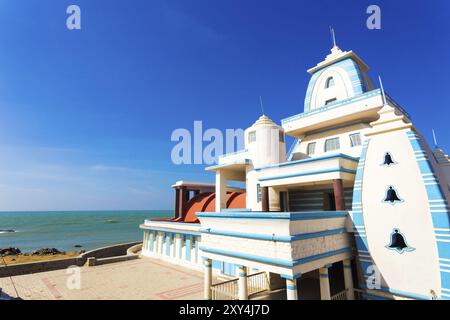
(140, 279)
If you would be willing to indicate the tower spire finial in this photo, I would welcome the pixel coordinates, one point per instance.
(261, 103)
(333, 37)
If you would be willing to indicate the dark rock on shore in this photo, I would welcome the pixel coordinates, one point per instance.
(46, 252)
(7, 231)
(10, 252)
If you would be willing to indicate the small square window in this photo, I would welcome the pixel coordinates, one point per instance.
(311, 149)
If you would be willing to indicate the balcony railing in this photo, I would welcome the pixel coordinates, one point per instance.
(228, 290)
(340, 296)
(257, 283)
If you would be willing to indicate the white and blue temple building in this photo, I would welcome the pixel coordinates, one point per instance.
(356, 209)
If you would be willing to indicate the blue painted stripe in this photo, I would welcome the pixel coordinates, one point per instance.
(320, 158)
(293, 216)
(273, 237)
(280, 262)
(308, 173)
(293, 288)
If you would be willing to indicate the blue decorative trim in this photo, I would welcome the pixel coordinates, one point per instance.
(292, 216)
(280, 262)
(290, 163)
(308, 173)
(358, 218)
(274, 237)
(292, 288)
(440, 217)
(286, 276)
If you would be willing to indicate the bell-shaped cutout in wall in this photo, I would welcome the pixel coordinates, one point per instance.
(388, 160)
(398, 242)
(392, 196)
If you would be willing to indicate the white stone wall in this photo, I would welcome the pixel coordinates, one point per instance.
(344, 137)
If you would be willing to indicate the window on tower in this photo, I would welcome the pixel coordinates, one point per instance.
(330, 101)
(329, 82)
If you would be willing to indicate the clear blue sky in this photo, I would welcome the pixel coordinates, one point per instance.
(86, 116)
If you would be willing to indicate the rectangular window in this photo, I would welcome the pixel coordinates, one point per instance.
(251, 136)
(281, 137)
(258, 193)
(330, 101)
(355, 139)
(311, 149)
(332, 144)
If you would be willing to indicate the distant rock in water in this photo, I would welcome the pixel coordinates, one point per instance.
(46, 252)
(112, 221)
(10, 252)
(78, 246)
(7, 231)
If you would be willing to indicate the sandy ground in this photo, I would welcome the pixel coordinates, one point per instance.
(9, 260)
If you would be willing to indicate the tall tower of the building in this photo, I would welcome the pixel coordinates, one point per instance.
(340, 76)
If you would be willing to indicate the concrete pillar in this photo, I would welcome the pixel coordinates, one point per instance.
(177, 203)
(324, 283)
(291, 289)
(348, 279)
(207, 264)
(182, 201)
(242, 283)
(221, 193)
(338, 189)
(265, 199)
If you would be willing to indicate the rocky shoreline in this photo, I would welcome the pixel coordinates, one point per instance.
(40, 252)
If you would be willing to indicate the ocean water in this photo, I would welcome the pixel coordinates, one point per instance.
(64, 230)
